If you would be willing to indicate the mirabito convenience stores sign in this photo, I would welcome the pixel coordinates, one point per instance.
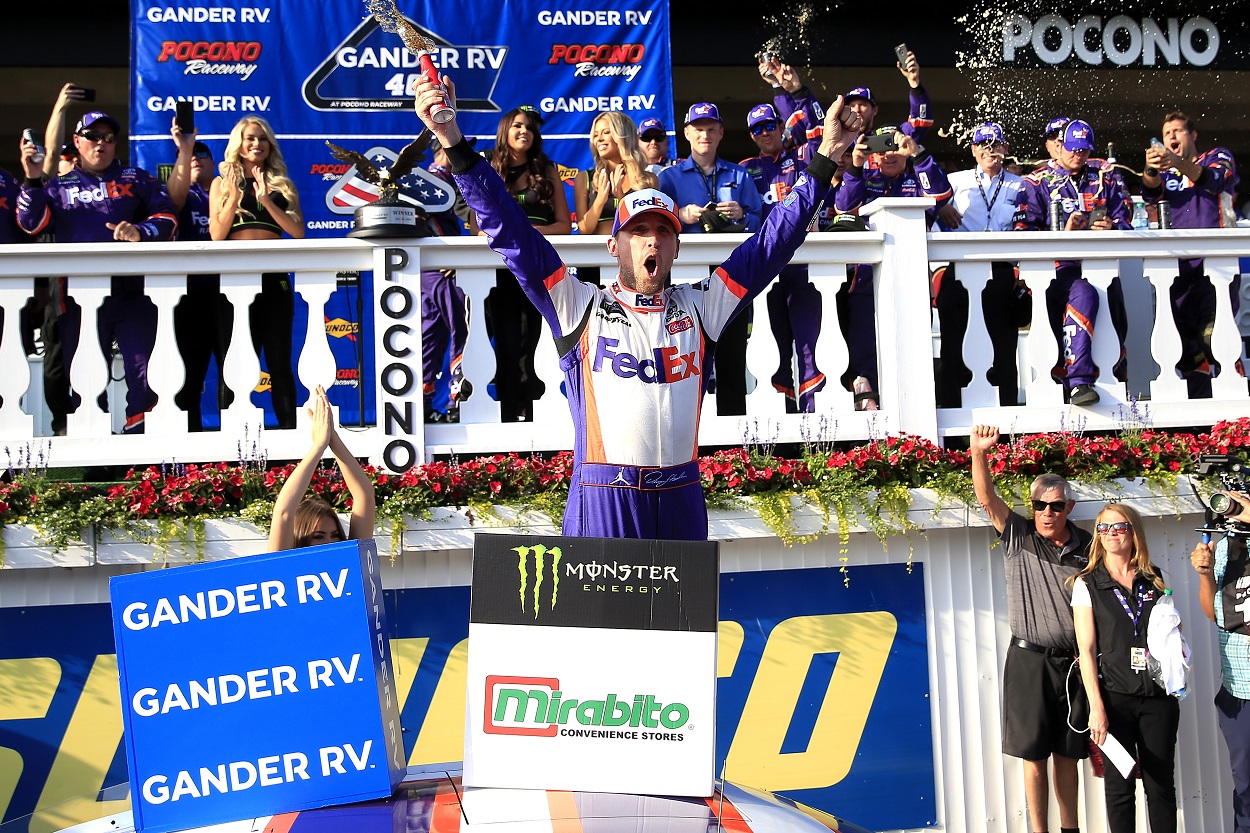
(592, 665)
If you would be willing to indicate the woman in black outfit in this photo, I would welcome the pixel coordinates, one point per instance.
(254, 199)
(511, 320)
(1111, 603)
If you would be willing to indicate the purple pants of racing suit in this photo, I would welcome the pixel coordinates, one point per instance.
(794, 316)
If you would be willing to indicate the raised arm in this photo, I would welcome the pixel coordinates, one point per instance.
(282, 528)
(179, 183)
(984, 438)
(364, 504)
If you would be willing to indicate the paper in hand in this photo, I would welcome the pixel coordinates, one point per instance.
(1114, 751)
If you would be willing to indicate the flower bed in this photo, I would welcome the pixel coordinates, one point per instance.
(874, 483)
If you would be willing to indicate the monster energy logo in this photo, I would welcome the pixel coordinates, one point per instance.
(541, 553)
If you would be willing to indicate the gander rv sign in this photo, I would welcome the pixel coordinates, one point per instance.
(1120, 41)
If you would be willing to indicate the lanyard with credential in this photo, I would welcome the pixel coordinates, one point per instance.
(1135, 616)
(989, 203)
(710, 185)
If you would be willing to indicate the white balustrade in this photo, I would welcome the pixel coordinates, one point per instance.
(898, 245)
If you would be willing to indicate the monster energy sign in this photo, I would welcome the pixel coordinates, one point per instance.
(592, 665)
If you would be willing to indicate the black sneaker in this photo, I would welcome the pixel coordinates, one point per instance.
(1084, 395)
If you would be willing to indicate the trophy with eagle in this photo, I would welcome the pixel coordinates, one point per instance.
(388, 216)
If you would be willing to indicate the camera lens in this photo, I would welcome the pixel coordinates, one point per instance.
(1220, 503)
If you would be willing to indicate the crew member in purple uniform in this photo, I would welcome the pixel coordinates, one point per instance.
(1081, 187)
(633, 354)
(1200, 188)
(10, 231)
(907, 171)
(794, 310)
(103, 200)
(203, 319)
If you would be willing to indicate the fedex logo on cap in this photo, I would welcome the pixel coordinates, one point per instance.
(1078, 133)
(643, 203)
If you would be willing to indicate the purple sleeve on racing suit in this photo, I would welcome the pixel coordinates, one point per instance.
(920, 118)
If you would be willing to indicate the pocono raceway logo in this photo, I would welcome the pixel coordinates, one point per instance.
(372, 71)
(537, 707)
(418, 187)
(539, 573)
(1120, 40)
(213, 57)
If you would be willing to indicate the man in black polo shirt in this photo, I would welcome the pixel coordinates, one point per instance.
(1038, 678)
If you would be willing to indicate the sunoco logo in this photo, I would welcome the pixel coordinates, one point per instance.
(537, 706)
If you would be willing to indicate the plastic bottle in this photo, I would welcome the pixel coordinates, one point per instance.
(1141, 220)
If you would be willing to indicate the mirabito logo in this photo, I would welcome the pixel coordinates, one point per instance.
(540, 553)
(536, 706)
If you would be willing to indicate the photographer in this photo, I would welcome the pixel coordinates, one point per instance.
(713, 197)
(1222, 592)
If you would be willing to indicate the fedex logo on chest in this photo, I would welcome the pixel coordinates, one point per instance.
(666, 364)
(102, 192)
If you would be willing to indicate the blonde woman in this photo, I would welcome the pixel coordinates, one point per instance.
(619, 168)
(254, 199)
(1111, 603)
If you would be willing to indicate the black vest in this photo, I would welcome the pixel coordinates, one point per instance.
(1116, 638)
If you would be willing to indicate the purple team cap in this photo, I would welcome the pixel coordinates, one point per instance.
(95, 116)
(640, 202)
(860, 92)
(1055, 125)
(990, 133)
(760, 113)
(652, 125)
(702, 110)
(1078, 135)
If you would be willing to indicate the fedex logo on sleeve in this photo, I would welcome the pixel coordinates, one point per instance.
(668, 364)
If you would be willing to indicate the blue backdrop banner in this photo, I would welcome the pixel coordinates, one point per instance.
(328, 71)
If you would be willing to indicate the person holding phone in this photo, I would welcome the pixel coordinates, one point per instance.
(714, 195)
(1199, 188)
(131, 207)
(203, 319)
(252, 198)
(1076, 193)
(900, 168)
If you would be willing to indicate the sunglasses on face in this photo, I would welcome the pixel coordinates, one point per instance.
(655, 138)
(764, 126)
(1118, 528)
(98, 136)
(203, 156)
(1055, 506)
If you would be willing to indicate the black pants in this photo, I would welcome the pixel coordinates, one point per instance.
(272, 316)
(1000, 304)
(730, 361)
(515, 326)
(203, 321)
(1147, 727)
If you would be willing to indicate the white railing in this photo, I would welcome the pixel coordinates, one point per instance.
(898, 245)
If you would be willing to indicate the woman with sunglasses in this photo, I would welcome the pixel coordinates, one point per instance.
(1112, 599)
(254, 199)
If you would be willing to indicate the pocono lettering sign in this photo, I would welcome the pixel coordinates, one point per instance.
(256, 686)
(592, 665)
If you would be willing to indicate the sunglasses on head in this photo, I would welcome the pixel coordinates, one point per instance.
(98, 136)
(763, 126)
(1054, 505)
(1118, 528)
